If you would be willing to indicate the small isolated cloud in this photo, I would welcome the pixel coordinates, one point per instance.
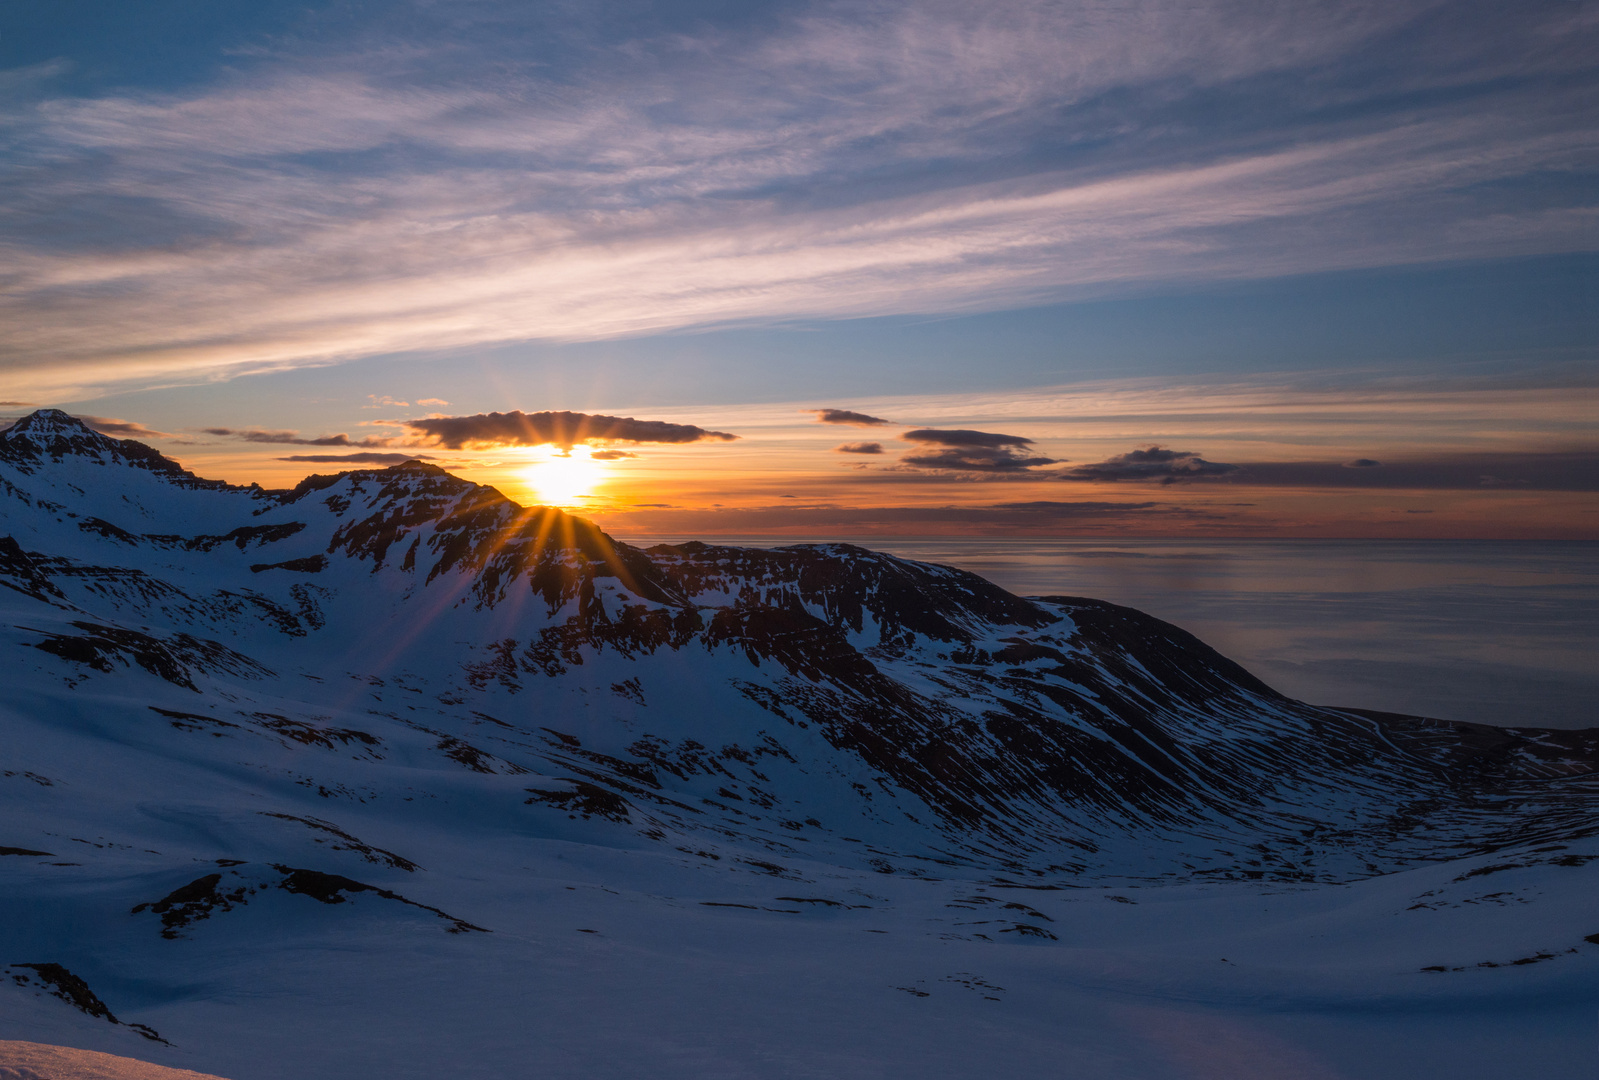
(1151, 463)
(1362, 463)
(962, 450)
(611, 455)
(293, 438)
(357, 459)
(859, 448)
(845, 416)
(964, 437)
(565, 429)
(379, 401)
(431, 401)
(122, 429)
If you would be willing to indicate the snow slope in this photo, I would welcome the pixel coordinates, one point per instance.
(38, 1061)
(388, 776)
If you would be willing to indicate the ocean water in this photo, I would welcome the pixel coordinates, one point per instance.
(1495, 632)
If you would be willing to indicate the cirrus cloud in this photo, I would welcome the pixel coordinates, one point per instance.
(827, 161)
(123, 429)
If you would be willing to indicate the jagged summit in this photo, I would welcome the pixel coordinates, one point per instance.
(43, 421)
(57, 434)
(51, 434)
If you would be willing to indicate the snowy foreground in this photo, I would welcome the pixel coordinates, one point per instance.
(389, 777)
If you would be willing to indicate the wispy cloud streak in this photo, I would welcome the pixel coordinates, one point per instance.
(852, 160)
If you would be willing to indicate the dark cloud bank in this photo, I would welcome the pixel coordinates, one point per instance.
(963, 450)
(845, 416)
(1001, 456)
(1151, 463)
(1575, 470)
(563, 429)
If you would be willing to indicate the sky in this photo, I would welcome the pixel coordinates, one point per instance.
(1143, 267)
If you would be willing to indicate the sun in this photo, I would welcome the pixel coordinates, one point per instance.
(562, 478)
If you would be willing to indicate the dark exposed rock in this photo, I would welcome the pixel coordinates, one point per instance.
(311, 564)
(193, 902)
(329, 738)
(187, 721)
(174, 658)
(200, 898)
(25, 572)
(1479, 753)
(585, 799)
(107, 530)
(460, 750)
(74, 991)
(331, 889)
(246, 535)
(346, 842)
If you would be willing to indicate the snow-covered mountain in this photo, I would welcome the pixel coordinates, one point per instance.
(248, 733)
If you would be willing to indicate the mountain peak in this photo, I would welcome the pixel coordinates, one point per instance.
(52, 423)
(57, 435)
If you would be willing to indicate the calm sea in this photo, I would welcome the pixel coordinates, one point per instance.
(1497, 632)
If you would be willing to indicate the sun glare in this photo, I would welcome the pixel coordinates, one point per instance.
(563, 479)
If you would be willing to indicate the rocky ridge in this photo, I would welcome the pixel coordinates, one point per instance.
(829, 690)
